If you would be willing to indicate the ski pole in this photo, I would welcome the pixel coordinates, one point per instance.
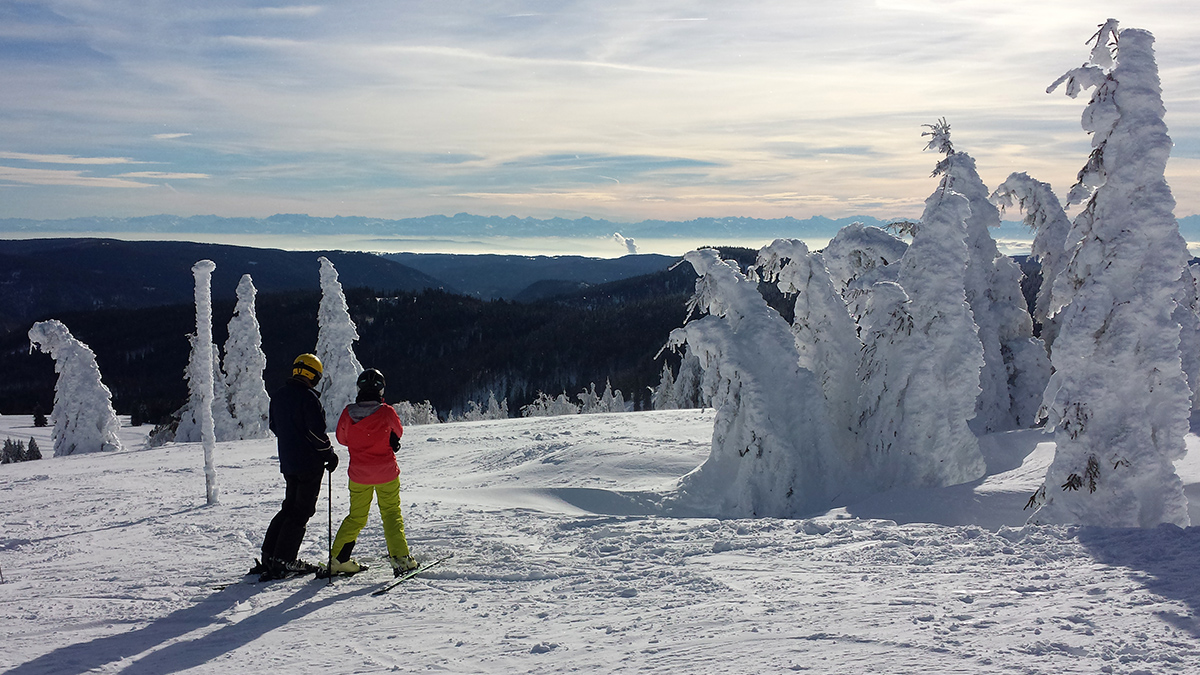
(330, 568)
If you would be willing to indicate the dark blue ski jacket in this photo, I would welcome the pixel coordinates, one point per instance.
(298, 421)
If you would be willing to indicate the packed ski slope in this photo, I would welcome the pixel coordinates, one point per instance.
(565, 562)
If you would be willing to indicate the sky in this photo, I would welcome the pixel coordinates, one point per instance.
(610, 109)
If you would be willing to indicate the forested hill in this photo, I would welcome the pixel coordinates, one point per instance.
(44, 277)
(432, 345)
(491, 277)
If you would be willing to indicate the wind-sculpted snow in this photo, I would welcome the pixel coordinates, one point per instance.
(83, 418)
(1015, 364)
(772, 451)
(921, 364)
(540, 584)
(335, 346)
(244, 366)
(1119, 400)
(826, 337)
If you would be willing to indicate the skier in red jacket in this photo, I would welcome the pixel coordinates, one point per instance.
(371, 430)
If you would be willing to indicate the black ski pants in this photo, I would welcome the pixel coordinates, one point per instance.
(286, 532)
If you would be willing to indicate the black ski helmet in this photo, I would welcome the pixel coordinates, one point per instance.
(371, 380)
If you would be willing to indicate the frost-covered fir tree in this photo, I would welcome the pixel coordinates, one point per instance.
(545, 405)
(1118, 401)
(662, 397)
(688, 392)
(413, 414)
(826, 337)
(1187, 312)
(1045, 216)
(335, 346)
(857, 250)
(204, 377)
(244, 366)
(921, 364)
(83, 417)
(611, 400)
(1015, 364)
(189, 429)
(772, 453)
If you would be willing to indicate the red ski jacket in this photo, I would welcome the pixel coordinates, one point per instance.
(366, 430)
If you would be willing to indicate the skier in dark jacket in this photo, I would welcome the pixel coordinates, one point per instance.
(298, 420)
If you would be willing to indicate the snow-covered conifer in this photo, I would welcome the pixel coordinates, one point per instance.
(83, 416)
(688, 392)
(611, 400)
(203, 378)
(496, 410)
(1187, 312)
(545, 405)
(335, 346)
(1118, 401)
(858, 249)
(1045, 216)
(413, 414)
(189, 428)
(589, 400)
(826, 337)
(662, 397)
(921, 364)
(1016, 366)
(244, 366)
(772, 453)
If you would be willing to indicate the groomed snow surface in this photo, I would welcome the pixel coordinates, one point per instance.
(564, 562)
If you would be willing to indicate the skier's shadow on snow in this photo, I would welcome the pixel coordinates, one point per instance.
(1162, 560)
(187, 653)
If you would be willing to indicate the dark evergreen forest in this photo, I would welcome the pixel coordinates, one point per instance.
(432, 345)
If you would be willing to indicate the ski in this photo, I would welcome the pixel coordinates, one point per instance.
(412, 573)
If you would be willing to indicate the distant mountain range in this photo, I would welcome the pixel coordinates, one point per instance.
(461, 224)
(468, 225)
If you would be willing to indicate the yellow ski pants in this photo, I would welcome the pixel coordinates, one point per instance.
(388, 495)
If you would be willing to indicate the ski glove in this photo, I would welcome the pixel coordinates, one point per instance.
(395, 442)
(332, 462)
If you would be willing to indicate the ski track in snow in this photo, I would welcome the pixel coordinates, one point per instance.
(565, 563)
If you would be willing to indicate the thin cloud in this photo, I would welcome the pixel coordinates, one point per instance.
(63, 178)
(167, 137)
(162, 175)
(66, 159)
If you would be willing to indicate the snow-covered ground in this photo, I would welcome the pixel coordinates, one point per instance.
(564, 562)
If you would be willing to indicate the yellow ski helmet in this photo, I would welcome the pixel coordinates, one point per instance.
(307, 366)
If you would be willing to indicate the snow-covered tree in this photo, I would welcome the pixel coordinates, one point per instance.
(1118, 401)
(1187, 312)
(1015, 364)
(335, 346)
(190, 426)
(545, 405)
(825, 335)
(1045, 216)
(83, 416)
(413, 414)
(772, 453)
(857, 250)
(203, 379)
(612, 400)
(244, 366)
(688, 392)
(492, 410)
(662, 397)
(922, 359)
